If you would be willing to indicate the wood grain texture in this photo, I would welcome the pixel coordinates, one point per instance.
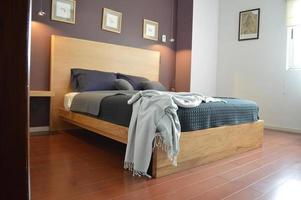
(79, 165)
(68, 53)
(109, 130)
(197, 147)
(41, 93)
(204, 146)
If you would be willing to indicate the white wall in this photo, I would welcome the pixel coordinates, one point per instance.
(256, 69)
(204, 46)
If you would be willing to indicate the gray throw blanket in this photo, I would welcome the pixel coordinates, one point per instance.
(155, 123)
(89, 102)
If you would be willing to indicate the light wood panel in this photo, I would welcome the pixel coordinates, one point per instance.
(196, 147)
(204, 146)
(41, 93)
(113, 131)
(67, 53)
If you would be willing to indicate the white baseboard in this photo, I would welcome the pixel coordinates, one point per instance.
(39, 129)
(276, 128)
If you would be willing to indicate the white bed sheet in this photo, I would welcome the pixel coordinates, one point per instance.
(68, 100)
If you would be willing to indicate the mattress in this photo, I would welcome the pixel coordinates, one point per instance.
(115, 109)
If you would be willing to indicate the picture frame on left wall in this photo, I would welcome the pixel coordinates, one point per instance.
(111, 20)
(63, 11)
(150, 30)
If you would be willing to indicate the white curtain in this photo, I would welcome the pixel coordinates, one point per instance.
(293, 12)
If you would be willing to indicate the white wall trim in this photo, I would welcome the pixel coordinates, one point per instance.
(39, 129)
(276, 128)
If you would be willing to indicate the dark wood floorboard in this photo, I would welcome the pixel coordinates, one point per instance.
(79, 165)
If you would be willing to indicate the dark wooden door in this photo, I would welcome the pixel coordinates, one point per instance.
(14, 34)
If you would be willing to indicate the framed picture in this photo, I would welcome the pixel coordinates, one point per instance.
(150, 30)
(249, 24)
(111, 20)
(63, 11)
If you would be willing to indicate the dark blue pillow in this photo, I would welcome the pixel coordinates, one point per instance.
(152, 85)
(91, 80)
(135, 81)
(121, 84)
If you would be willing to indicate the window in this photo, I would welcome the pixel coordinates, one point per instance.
(293, 34)
(294, 47)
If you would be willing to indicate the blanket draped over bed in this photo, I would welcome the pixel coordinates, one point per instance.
(154, 123)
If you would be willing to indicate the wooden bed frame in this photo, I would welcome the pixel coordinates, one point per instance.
(197, 147)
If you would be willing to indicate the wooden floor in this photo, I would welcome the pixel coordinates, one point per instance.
(82, 166)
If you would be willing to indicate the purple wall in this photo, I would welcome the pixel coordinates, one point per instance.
(88, 26)
(39, 111)
(184, 45)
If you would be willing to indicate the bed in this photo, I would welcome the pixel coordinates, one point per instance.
(197, 146)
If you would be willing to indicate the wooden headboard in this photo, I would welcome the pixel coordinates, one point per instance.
(67, 53)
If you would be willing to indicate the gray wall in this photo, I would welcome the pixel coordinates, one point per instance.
(256, 69)
(204, 47)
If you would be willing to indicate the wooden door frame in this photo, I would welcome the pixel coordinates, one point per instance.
(14, 70)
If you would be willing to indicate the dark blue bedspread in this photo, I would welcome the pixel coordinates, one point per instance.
(208, 115)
